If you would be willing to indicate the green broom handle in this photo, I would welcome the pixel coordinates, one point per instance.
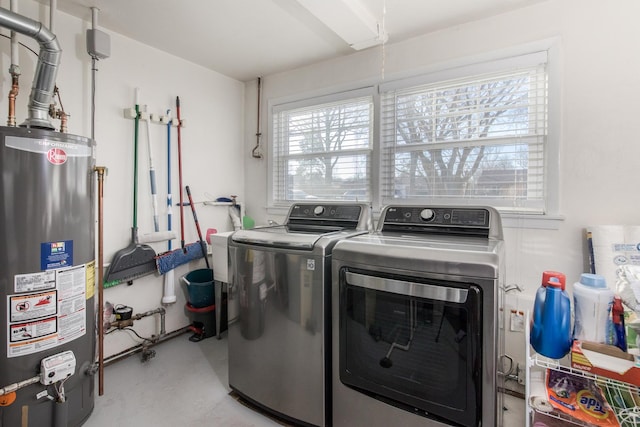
(135, 166)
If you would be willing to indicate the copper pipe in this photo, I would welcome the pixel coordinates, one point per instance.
(59, 113)
(100, 170)
(13, 94)
(46, 68)
(63, 122)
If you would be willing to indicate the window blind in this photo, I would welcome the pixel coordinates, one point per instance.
(472, 140)
(323, 151)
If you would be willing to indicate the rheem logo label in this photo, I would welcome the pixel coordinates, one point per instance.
(56, 156)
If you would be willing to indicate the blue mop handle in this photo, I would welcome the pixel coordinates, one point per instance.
(169, 196)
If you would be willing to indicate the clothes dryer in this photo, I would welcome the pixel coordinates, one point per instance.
(416, 335)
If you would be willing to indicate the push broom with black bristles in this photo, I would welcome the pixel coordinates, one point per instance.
(136, 260)
(171, 259)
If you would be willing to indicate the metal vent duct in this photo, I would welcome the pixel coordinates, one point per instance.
(45, 76)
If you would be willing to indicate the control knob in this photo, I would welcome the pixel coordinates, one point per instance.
(427, 214)
(318, 210)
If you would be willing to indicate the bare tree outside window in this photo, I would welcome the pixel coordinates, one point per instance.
(328, 149)
(474, 139)
(477, 139)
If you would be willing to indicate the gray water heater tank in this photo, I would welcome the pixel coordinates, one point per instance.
(47, 276)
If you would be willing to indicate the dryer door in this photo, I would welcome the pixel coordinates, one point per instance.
(413, 343)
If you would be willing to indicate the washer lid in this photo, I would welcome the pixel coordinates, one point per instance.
(467, 256)
(284, 236)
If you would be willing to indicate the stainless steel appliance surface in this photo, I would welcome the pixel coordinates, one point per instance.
(415, 333)
(279, 344)
(47, 280)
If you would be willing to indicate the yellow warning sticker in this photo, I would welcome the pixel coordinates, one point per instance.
(91, 279)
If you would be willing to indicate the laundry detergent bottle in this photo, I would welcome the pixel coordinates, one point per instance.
(551, 329)
(592, 301)
(542, 292)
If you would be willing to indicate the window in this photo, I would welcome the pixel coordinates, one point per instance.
(323, 150)
(473, 140)
(476, 134)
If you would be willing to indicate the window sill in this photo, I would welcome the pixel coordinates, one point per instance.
(541, 222)
(509, 220)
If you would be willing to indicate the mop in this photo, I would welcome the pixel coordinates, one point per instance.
(169, 292)
(157, 235)
(171, 259)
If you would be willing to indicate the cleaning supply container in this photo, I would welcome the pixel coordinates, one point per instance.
(551, 329)
(592, 301)
(200, 287)
(203, 321)
(617, 316)
(542, 292)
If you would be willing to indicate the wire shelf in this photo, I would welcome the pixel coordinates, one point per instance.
(621, 396)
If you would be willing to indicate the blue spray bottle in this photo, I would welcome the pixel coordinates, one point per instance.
(617, 314)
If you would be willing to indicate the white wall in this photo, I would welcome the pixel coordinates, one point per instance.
(599, 127)
(212, 107)
(599, 147)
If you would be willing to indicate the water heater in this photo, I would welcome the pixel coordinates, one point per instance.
(47, 277)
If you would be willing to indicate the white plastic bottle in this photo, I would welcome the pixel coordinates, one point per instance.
(592, 301)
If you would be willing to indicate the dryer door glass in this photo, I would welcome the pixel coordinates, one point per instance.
(415, 344)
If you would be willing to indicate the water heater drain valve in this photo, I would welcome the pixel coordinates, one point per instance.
(57, 367)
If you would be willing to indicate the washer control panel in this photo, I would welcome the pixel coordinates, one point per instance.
(326, 211)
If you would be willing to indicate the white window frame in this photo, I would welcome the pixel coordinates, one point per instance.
(277, 107)
(481, 64)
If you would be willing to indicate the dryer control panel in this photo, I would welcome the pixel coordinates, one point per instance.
(436, 219)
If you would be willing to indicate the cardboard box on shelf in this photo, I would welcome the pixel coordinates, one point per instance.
(606, 361)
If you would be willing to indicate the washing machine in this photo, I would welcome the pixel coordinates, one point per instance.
(416, 338)
(279, 357)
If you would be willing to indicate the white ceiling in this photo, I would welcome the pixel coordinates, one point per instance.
(244, 39)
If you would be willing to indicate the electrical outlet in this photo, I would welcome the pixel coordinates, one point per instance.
(521, 375)
(517, 321)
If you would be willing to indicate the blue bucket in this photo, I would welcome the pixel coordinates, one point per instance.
(200, 287)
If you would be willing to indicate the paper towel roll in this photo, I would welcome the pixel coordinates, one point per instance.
(538, 398)
(607, 254)
(632, 234)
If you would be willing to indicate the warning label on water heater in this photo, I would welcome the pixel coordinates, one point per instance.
(51, 310)
(56, 254)
(40, 281)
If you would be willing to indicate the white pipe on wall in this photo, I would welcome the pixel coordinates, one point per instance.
(14, 36)
(53, 6)
(94, 18)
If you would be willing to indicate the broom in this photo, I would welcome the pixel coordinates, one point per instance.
(135, 260)
(169, 260)
(169, 291)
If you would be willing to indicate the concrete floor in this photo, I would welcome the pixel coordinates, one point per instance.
(185, 384)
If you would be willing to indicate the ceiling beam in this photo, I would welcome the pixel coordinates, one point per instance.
(350, 20)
